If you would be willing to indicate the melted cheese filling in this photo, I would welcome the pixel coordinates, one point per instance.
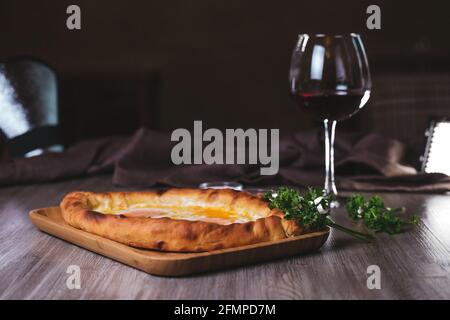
(191, 213)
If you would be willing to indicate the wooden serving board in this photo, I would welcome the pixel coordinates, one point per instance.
(50, 221)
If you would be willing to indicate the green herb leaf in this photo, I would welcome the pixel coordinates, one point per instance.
(376, 215)
(414, 220)
(356, 206)
(310, 210)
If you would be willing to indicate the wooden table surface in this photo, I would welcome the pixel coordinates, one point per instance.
(413, 265)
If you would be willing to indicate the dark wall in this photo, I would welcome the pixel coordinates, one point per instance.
(224, 62)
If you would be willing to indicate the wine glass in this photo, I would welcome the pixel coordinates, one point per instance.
(330, 80)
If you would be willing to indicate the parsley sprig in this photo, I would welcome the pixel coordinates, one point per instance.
(310, 210)
(376, 215)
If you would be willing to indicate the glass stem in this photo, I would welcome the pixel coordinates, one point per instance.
(330, 129)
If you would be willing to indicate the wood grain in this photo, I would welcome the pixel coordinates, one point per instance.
(50, 220)
(414, 264)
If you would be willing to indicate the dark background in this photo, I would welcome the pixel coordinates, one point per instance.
(164, 64)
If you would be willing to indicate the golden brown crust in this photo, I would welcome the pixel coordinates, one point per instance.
(83, 210)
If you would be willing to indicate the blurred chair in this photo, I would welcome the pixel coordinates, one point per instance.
(29, 107)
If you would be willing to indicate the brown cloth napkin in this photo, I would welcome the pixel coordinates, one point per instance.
(363, 162)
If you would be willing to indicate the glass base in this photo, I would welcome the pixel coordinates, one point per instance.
(335, 204)
(338, 201)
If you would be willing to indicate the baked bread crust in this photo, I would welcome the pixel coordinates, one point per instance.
(88, 211)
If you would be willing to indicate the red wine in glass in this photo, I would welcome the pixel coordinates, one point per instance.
(329, 79)
(333, 105)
